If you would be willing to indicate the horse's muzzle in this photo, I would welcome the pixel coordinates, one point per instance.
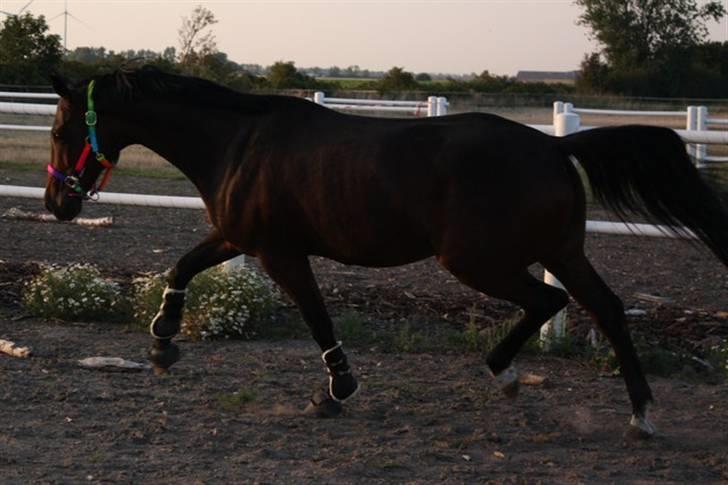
(67, 209)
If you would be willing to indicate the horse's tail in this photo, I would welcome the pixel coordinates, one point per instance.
(646, 170)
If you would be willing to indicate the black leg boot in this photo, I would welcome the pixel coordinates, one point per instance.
(342, 384)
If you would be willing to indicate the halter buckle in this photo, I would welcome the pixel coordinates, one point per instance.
(91, 118)
(73, 183)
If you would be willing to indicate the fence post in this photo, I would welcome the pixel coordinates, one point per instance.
(701, 151)
(441, 106)
(319, 97)
(565, 123)
(691, 124)
(431, 106)
(558, 109)
(233, 264)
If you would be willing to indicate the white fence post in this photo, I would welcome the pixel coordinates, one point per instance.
(233, 264)
(691, 124)
(319, 97)
(701, 151)
(565, 123)
(431, 106)
(441, 106)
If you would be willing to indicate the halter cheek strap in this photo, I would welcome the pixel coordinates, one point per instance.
(91, 145)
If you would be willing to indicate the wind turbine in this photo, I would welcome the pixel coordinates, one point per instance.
(19, 11)
(66, 14)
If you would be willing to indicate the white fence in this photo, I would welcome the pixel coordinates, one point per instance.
(26, 109)
(434, 106)
(696, 132)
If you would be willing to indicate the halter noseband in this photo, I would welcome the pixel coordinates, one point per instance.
(73, 181)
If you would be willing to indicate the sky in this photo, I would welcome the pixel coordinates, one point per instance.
(448, 36)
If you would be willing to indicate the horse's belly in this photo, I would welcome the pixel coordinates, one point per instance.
(374, 248)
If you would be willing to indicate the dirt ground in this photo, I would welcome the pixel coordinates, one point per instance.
(421, 417)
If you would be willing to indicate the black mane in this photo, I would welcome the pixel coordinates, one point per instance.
(150, 84)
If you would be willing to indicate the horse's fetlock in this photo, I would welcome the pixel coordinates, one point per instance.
(164, 325)
(342, 383)
(507, 380)
(163, 354)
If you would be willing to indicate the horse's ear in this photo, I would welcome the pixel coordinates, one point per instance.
(60, 86)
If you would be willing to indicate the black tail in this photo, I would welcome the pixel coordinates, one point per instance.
(646, 170)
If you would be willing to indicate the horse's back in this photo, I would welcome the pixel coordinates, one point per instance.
(386, 192)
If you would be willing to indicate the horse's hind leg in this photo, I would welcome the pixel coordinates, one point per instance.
(165, 325)
(293, 274)
(587, 288)
(538, 300)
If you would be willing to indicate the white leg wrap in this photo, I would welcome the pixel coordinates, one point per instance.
(643, 424)
(172, 291)
(327, 352)
(167, 291)
(507, 377)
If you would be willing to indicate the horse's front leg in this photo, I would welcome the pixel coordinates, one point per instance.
(293, 274)
(166, 323)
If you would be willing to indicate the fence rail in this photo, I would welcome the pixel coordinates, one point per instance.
(434, 106)
(22, 95)
(696, 132)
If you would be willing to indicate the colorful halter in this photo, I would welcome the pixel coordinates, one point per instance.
(73, 181)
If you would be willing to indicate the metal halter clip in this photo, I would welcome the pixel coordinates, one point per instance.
(72, 183)
(91, 118)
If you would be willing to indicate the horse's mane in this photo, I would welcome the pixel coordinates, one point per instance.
(150, 84)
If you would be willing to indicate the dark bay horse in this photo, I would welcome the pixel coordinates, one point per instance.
(284, 178)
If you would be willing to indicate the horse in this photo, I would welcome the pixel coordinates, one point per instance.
(283, 179)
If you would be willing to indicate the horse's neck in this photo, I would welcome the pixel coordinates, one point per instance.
(191, 139)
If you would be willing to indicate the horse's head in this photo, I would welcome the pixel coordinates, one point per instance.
(76, 159)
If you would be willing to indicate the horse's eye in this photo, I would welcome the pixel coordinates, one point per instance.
(56, 134)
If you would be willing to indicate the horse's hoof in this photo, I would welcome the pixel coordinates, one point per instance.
(343, 387)
(634, 433)
(639, 429)
(322, 406)
(507, 380)
(511, 390)
(163, 355)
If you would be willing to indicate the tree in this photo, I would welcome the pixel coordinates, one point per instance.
(195, 39)
(284, 75)
(28, 55)
(397, 79)
(593, 74)
(648, 46)
(638, 31)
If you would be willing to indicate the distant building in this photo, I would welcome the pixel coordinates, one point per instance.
(548, 77)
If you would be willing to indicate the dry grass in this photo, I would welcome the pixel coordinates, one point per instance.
(33, 148)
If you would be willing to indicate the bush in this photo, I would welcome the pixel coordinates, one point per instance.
(218, 303)
(719, 357)
(76, 292)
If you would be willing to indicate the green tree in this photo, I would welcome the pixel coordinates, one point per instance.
(284, 75)
(28, 54)
(397, 79)
(648, 45)
(638, 31)
(593, 74)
